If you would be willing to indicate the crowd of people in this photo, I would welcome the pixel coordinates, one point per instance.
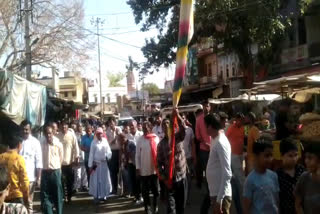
(229, 158)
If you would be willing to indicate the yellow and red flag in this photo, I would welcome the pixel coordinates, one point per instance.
(185, 35)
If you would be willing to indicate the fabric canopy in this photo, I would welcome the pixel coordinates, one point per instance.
(21, 99)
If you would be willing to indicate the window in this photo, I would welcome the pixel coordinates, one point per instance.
(302, 32)
(233, 69)
(74, 93)
(209, 70)
(95, 98)
(227, 71)
(65, 94)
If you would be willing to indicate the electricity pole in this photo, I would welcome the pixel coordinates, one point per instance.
(97, 23)
(27, 11)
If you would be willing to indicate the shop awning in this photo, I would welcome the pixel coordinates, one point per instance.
(246, 98)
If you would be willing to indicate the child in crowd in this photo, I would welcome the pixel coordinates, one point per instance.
(261, 189)
(8, 208)
(288, 175)
(308, 187)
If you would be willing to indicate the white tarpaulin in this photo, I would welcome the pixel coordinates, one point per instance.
(23, 100)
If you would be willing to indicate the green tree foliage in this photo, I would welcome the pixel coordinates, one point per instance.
(237, 24)
(151, 88)
(115, 79)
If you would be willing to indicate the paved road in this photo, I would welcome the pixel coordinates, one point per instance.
(82, 203)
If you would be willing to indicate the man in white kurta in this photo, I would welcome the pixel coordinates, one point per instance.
(100, 181)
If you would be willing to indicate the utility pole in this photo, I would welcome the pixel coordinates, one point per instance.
(27, 11)
(97, 23)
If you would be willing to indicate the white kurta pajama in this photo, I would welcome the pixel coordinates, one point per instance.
(100, 181)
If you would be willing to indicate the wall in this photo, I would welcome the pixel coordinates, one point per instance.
(111, 92)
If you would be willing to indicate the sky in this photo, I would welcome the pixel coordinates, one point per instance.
(119, 25)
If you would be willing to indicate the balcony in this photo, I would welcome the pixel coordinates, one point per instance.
(208, 79)
(299, 57)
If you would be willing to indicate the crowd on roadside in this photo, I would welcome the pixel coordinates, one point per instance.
(229, 158)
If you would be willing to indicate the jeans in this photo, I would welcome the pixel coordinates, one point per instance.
(236, 197)
(67, 181)
(149, 183)
(204, 157)
(125, 180)
(114, 170)
(237, 169)
(238, 179)
(134, 182)
(189, 176)
(177, 197)
(87, 171)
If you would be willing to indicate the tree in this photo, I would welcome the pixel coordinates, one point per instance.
(57, 35)
(115, 79)
(237, 24)
(151, 88)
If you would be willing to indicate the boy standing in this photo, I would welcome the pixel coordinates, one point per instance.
(8, 208)
(288, 175)
(17, 173)
(261, 188)
(219, 166)
(308, 187)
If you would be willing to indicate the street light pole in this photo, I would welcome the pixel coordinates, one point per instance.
(99, 22)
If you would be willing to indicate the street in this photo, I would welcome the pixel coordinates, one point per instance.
(82, 203)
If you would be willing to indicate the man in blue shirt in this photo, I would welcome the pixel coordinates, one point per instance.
(85, 146)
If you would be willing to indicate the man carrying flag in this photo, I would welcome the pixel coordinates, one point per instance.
(185, 35)
(146, 166)
(177, 191)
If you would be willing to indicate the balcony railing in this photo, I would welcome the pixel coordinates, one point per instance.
(298, 57)
(208, 79)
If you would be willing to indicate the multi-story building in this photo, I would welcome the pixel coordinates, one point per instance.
(301, 50)
(110, 96)
(211, 73)
(71, 86)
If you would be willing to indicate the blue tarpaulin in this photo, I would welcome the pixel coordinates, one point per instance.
(21, 99)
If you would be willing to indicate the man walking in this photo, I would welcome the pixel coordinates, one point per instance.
(235, 134)
(146, 162)
(219, 166)
(157, 129)
(112, 136)
(203, 155)
(71, 156)
(32, 154)
(51, 192)
(100, 153)
(85, 147)
(177, 191)
(134, 136)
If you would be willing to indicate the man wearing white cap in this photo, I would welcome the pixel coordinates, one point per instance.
(100, 181)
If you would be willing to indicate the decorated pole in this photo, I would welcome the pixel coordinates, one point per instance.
(185, 35)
